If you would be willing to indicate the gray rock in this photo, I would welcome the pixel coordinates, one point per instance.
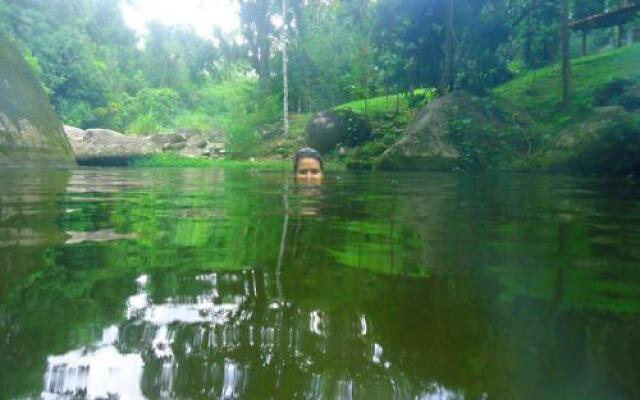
(30, 132)
(75, 134)
(173, 146)
(107, 147)
(103, 132)
(427, 143)
(196, 141)
(162, 139)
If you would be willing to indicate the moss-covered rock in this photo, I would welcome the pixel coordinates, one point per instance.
(630, 98)
(607, 142)
(331, 128)
(456, 131)
(30, 132)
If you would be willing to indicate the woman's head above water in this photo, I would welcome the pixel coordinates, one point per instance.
(307, 165)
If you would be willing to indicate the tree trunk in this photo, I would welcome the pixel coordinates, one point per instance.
(446, 80)
(386, 93)
(285, 77)
(263, 28)
(620, 40)
(566, 54)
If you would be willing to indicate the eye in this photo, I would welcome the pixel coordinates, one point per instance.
(303, 171)
(315, 171)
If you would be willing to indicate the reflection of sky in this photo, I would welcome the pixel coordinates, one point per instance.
(98, 372)
(104, 369)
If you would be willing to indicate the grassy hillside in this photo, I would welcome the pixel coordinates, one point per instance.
(536, 96)
(391, 103)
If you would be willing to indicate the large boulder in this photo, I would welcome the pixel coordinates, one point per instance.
(619, 92)
(107, 147)
(606, 142)
(329, 129)
(30, 132)
(449, 133)
(630, 98)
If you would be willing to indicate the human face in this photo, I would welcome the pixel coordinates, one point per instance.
(309, 170)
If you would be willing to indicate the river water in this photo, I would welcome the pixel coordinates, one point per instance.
(212, 283)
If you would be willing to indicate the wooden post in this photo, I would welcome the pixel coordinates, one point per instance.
(584, 42)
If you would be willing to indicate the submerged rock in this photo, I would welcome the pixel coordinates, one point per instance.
(30, 132)
(329, 129)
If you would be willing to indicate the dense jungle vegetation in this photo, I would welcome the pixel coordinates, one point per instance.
(377, 56)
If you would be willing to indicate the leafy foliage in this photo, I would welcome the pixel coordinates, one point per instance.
(360, 55)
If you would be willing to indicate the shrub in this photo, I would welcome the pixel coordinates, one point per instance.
(75, 112)
(145, 124)
(162, 103)
(197, 121)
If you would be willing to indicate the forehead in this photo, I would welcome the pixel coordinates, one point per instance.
(308, 163)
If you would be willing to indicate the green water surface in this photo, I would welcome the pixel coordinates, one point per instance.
(224, 284)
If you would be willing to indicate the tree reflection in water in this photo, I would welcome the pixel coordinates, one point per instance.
(227, 337)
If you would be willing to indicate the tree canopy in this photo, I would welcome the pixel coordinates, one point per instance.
(99, 73)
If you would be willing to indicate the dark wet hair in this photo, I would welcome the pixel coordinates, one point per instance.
(306, 152)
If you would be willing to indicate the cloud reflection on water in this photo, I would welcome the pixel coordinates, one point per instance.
(218, 331)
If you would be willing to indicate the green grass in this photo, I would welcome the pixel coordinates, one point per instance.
(537, 94)
(384, 104)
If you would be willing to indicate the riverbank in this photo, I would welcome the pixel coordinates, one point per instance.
(523, 126)
(519, 126)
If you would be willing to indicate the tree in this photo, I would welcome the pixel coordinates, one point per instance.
(257, 29)
(285, 75)
(565, 34)
(446, 82)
